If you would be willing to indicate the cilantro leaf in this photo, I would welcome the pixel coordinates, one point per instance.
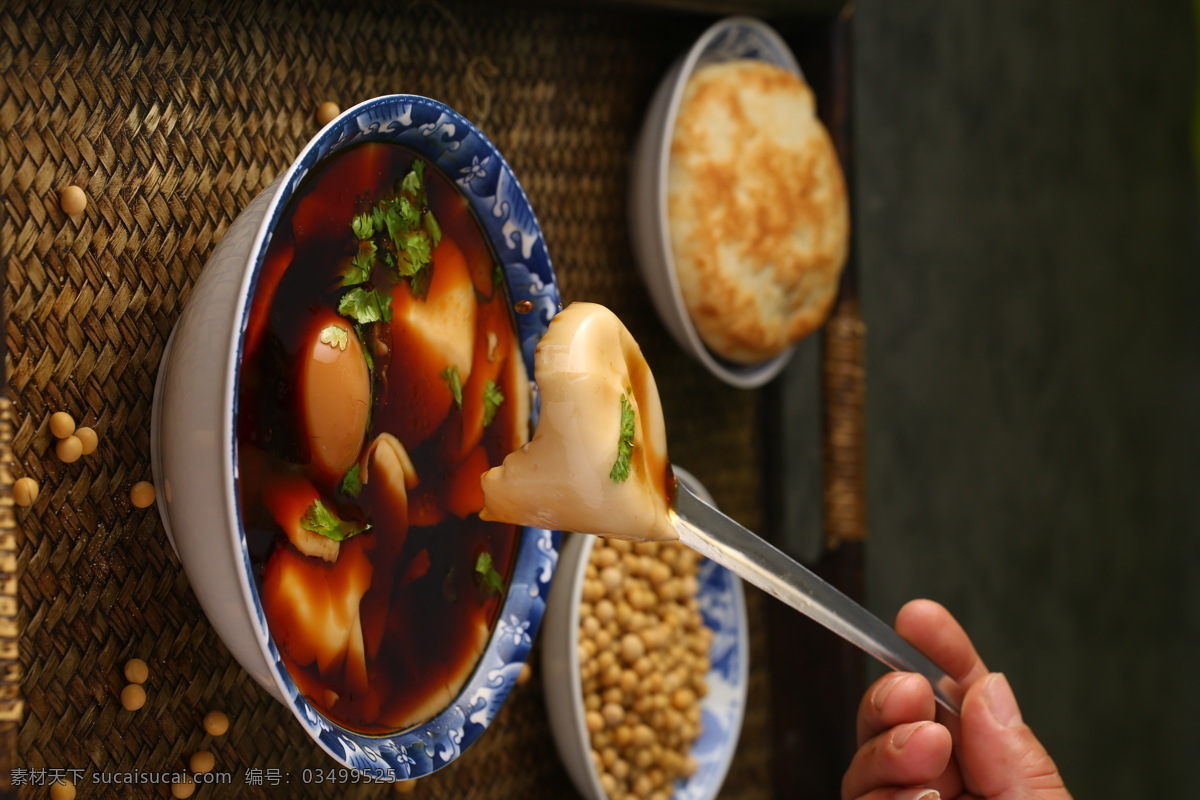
(485, 570)
(413, 180)
(492, 398)
(335, 336)
(366, 349)
(358, 269)
(432, 228)
(622, 466)
(415, 251)
(363, 225)
(322, 520)
(451, 377)
(365, 306)
(400, 217)
(419, 283)
(351, 484)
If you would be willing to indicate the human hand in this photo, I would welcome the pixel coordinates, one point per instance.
(905, 755)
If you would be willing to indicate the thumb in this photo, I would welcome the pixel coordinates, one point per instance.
(1000, 755)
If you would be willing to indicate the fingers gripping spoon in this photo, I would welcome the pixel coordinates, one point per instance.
(597, 463)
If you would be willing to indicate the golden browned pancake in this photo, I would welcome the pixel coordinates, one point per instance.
(757, 209)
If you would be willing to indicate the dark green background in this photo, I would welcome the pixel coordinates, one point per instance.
(1027, 242)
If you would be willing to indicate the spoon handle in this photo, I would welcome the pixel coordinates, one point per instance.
(716, 536)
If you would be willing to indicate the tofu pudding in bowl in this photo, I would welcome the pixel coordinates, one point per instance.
(354, 357)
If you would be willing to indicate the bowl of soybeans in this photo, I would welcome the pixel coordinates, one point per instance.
(645, 667)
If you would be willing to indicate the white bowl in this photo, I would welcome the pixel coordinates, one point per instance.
(193, 442)
(730, 39)
(723, 605)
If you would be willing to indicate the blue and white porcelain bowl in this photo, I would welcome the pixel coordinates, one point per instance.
(193, 439)
(723, 606)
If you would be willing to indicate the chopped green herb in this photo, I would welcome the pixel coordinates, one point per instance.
(622, 466)
(398, 230)
(363, 306)
(491, 580)
(492, 398)
(400, 217)
(358, 269)
(419, 283)
(432, 228)
(351, 484)
(366, 350)
(363, 225)
(412, 181)
(448, 591)
(414, 250)
(335, 336)
(452, 379)
(322, 520)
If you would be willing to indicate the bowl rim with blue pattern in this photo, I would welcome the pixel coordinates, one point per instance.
(455, 146)
(723, 607)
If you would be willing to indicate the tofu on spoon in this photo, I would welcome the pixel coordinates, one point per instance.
(597, 462)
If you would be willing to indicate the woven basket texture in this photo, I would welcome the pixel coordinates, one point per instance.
(172, 117)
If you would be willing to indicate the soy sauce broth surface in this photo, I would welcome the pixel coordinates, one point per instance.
(384, 637)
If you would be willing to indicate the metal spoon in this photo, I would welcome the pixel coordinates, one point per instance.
(716, 536)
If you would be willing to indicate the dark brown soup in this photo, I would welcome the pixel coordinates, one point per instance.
(381, 376)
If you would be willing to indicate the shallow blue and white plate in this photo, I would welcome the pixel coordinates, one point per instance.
(193, 439)
(723, 606)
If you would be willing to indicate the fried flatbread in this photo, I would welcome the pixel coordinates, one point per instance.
(757, 208)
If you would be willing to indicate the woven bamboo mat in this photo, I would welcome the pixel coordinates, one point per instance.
(173, 116)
